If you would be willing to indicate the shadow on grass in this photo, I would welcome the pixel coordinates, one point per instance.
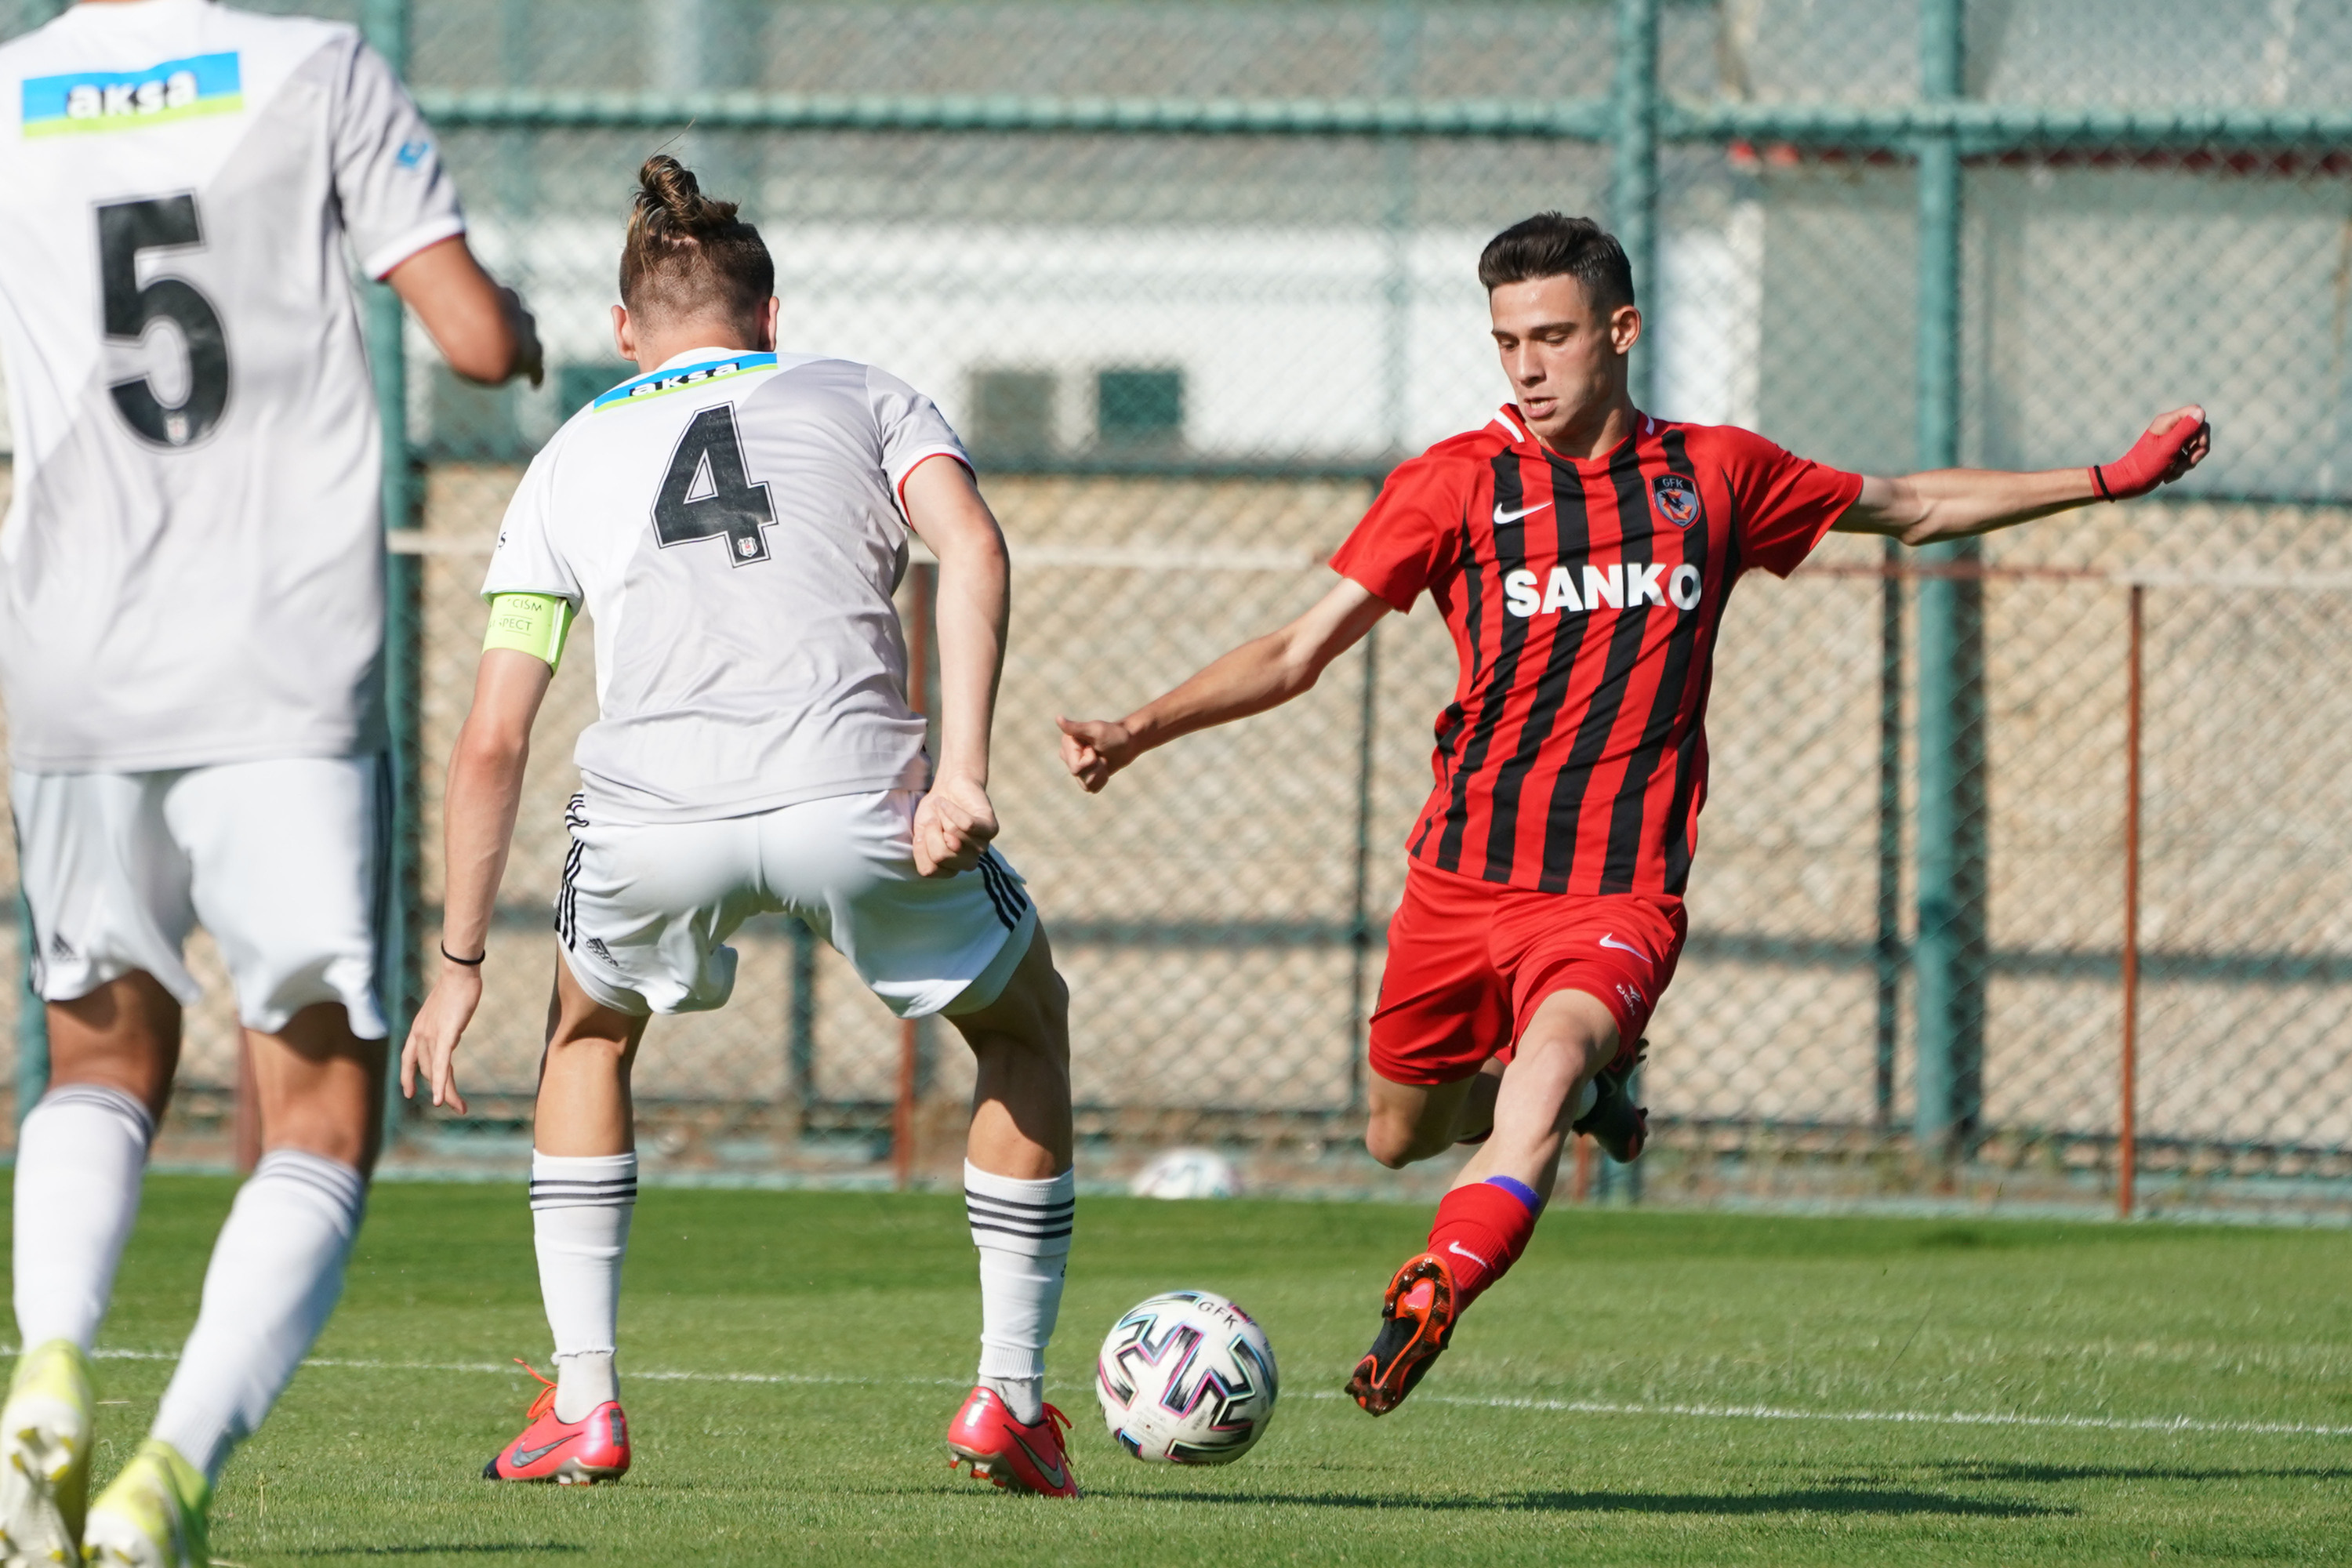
(1987, 1470)
(469, 1548)
(1811, 1499)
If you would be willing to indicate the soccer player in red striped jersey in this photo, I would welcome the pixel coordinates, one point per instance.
(1580, 552)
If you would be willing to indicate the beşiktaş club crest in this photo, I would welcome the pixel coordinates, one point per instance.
(1677, 499)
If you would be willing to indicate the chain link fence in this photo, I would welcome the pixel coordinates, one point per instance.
(1191, 277)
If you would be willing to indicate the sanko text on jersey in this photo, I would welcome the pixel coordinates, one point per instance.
(1626, 585)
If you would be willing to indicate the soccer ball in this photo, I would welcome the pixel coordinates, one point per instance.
(1187, 1377)
(1187, 1173)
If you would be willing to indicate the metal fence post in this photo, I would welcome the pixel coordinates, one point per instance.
(678, 39)
(1633, 172)
(1360, 924)
(1634, 200)
(923, 585)
(1949, 957)
(385, 25)
(1889, 946)
(799, 1045)
(1400, 51)
(2127, 1090)
(1634, 215)
(32, 1012)
(32, 1015)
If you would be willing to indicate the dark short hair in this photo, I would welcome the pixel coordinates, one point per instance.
(1551, 246)
(688, 254)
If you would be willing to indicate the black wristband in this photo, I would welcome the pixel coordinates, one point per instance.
(2100, 481)
(466, 963)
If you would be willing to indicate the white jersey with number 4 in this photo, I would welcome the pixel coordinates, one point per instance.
(732, 522)
(191, 571)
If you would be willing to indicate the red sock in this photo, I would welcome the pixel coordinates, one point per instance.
(1480, 1231)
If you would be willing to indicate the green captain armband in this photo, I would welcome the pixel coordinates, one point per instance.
(535, 624)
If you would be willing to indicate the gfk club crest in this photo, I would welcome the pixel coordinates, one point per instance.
(1677, 499)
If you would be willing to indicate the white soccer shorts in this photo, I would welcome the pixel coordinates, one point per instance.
(279, 861)
(646, 908)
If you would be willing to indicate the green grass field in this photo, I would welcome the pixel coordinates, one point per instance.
(791, 1361)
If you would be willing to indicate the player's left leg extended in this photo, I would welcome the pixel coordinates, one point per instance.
(1484, 1223)
(1579, 979)
(1020, 1195)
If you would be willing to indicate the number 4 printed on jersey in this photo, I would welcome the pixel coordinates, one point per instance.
(707, 494)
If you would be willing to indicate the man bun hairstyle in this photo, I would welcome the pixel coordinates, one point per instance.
(688, 255)
(1551, 246)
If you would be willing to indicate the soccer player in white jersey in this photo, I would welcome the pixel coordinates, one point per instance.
(735, 520)
(190, 637)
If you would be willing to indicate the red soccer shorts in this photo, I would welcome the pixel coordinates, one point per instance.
(1469, 961)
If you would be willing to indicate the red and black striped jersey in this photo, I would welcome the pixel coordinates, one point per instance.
(1584, 596)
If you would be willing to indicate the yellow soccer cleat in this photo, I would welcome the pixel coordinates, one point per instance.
(45, 1440)
(152, 1516)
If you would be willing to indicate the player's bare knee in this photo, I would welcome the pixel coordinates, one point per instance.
(585, 1052)
(1395, 1141)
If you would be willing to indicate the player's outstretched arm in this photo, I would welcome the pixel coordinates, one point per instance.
(955, 821)
(485, 789)
(480, 326)
(1263, 673)
(1956, 503)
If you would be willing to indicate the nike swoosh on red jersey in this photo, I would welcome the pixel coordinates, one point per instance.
(1502, 517)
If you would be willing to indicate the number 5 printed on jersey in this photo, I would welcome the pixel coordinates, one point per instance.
(707, 494)
(161, 223)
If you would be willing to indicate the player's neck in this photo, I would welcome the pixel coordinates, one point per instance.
(1594, 433)
(657, 349)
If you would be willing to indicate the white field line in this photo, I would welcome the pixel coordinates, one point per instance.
(1565, 1407)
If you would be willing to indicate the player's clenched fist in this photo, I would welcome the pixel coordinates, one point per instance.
(529, 360)
(952, 827)
(2172, 444)
(1093, 749)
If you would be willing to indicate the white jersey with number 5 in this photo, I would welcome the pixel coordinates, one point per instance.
(732, 522)
(191, 571)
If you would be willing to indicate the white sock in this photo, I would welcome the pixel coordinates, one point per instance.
(580, 1209)
(79, 1156)
(1023, 1231)
(276, 1273)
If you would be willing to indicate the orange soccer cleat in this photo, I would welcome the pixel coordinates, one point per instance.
(1416, 1319)
(1026, 1459)
(569, 1453)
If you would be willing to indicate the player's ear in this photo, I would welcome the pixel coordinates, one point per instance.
(624, 336)
(770, 319)
(1624, 327)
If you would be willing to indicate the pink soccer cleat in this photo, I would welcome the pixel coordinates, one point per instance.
(569, 1453)
(1020, 1458)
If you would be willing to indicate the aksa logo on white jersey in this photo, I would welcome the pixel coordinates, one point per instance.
(1620, 585)
(119, 101)
(662, 381)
